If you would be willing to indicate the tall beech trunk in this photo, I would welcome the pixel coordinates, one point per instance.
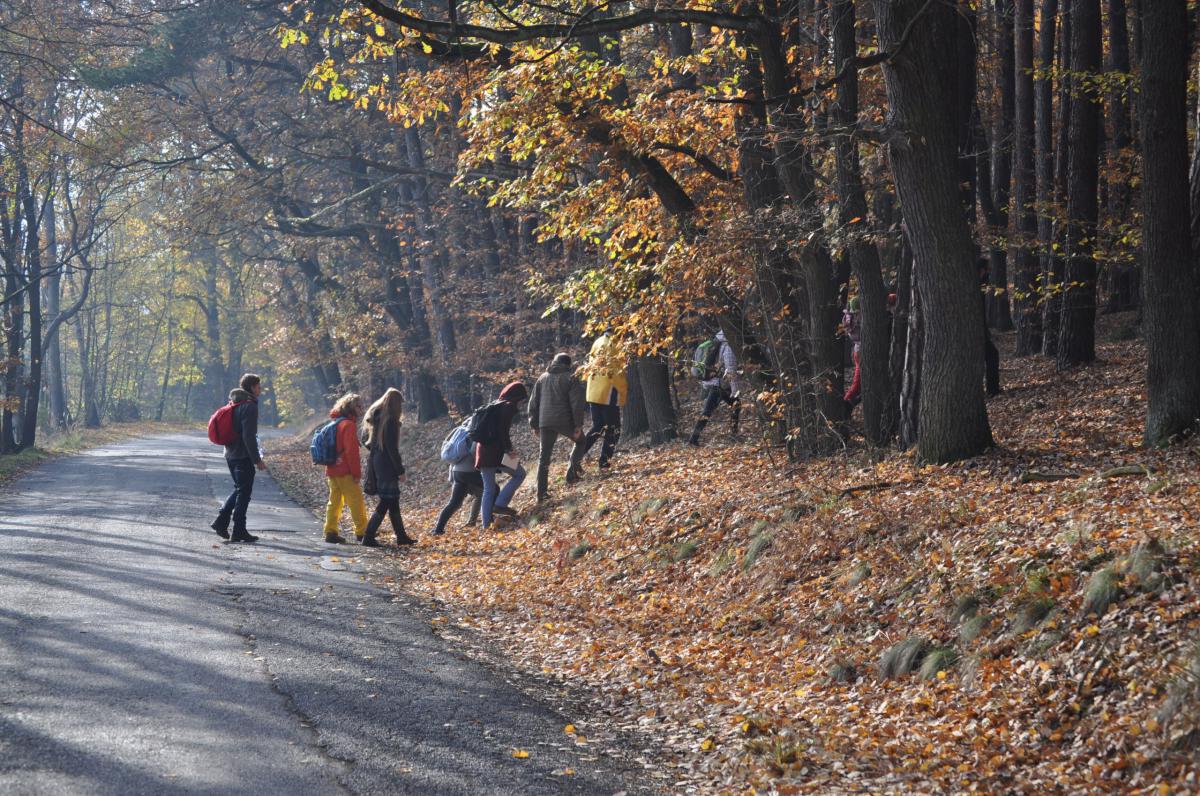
(1122, 277)
(56, 390)
(1025, 264)
(1077, 332)
(634, 420)
(1171, 325)
(999, 310)
(879, 412)
(1055, 272)
(1029, 316)
(654, 378)
(953, 417)
(33, 271)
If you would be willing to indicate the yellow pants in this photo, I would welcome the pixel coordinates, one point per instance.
(344, 490)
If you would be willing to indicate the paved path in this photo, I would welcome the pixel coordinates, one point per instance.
(139, 655)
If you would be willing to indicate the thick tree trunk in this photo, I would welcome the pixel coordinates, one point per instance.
(654, 376)
(634, 420)
(953, 416)
(879, 413)
(1171, 325)
(55, 384)
(33, 271)
(1055, 270)
(1077, 334)
(1122, 281)
(1025, 264)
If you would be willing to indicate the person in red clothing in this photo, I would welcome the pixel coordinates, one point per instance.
(343, 475)
(489, 456)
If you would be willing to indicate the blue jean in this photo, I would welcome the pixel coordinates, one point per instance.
(242, 471)
(493, 495)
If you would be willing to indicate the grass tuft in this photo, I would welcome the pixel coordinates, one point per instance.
(1103, 589)
(938, 659)
(973, 628)
(684, 550)
(965, 608)
(1031, 614)
(1179, 715)
(724, 560)
(757, 545)
(903, 657)
(842, 671)
(580, 550)
(861, 571)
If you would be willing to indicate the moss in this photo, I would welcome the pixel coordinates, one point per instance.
(903, 657)
(1103, 589)
(938, 659)
(1031, 614)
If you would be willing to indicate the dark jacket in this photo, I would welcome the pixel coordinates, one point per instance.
(245, 423)
(558, 400)
(490, 455)
(385, 459)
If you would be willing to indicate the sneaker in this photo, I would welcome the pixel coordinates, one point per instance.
(436, 532)
(504, 511)
(572, 478)
(369, 541)
(403, 539)
(242, 536)
(334, 538)
(222, 531)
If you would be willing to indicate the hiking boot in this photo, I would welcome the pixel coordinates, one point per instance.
(542, 498)
(222, 530)
(403, 539)
(504, 511)
(370, 541)
(573, 477)
(603, 464)
(242, 536)
(334, 538)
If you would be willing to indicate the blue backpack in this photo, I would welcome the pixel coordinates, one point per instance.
(456, 445)
(324, 443)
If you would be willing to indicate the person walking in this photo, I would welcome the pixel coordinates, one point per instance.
(721, 384)
(556, 409)
(490, 453)
(607, 389)
(464, 480)
(385, 468)
(243, 457)
(345, 473)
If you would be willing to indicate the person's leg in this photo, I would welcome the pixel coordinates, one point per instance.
(612, 433)
(575, 469)
(547, 437)
(376, 520)
(221, 523)
(398, 522)
(333, 509)
(712, 397)
(245, 488)
(353, 495)
(851, 396)
(476, 492)
(458, 492)
(489, 493)
(598, 419)
(515, 478)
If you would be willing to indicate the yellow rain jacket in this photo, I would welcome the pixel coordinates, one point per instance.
(605, 376)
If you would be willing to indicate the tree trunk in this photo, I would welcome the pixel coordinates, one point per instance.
(953, 416)
(999, 311)
(33, 271)
(634, 420)
(55, 385)
(654, 378)
(910, 382)
(1171, 325)
(879, 415)
(1077, 333)
(1025, 264)
(1055, 264)
(1122, 280)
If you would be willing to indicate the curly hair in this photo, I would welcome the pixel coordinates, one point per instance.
(349, 405)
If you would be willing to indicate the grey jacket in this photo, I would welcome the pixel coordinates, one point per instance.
(557, 401)
(245, 423)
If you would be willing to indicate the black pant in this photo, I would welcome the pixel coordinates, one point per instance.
(464, 484)
(606, 422)
(390, 507)
(235, 506)
(713, 398)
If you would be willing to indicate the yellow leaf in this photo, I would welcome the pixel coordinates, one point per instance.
(379, 31)
(425, 46)
(1092, 630)
(569, 729)
(520, 754)
(707, 745)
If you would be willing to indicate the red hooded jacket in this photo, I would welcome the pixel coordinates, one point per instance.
(348, 461)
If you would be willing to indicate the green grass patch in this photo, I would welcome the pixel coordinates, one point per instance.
(758, 545)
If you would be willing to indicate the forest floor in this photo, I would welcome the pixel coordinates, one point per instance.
(743, 613)
(64, 443)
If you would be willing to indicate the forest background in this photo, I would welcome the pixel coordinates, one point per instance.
(353, 195)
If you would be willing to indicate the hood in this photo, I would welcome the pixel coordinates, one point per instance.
(237, 395)
(561, 364)
(514, 393)
(720, 337)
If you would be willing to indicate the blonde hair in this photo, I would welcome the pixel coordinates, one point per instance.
(348, 405)
(388, 405)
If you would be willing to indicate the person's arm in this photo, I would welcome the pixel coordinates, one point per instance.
(506, 421)
(391, 445)
(578, 406)
(731, 367)
(250, 431)
(535, 402)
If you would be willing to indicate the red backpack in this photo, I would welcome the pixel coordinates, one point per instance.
(220, 425)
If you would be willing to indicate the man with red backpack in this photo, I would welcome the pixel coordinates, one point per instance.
(236, 427)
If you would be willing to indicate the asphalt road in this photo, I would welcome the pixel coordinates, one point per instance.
(138, 654)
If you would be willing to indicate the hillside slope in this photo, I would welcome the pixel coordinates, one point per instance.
(1025, 621)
